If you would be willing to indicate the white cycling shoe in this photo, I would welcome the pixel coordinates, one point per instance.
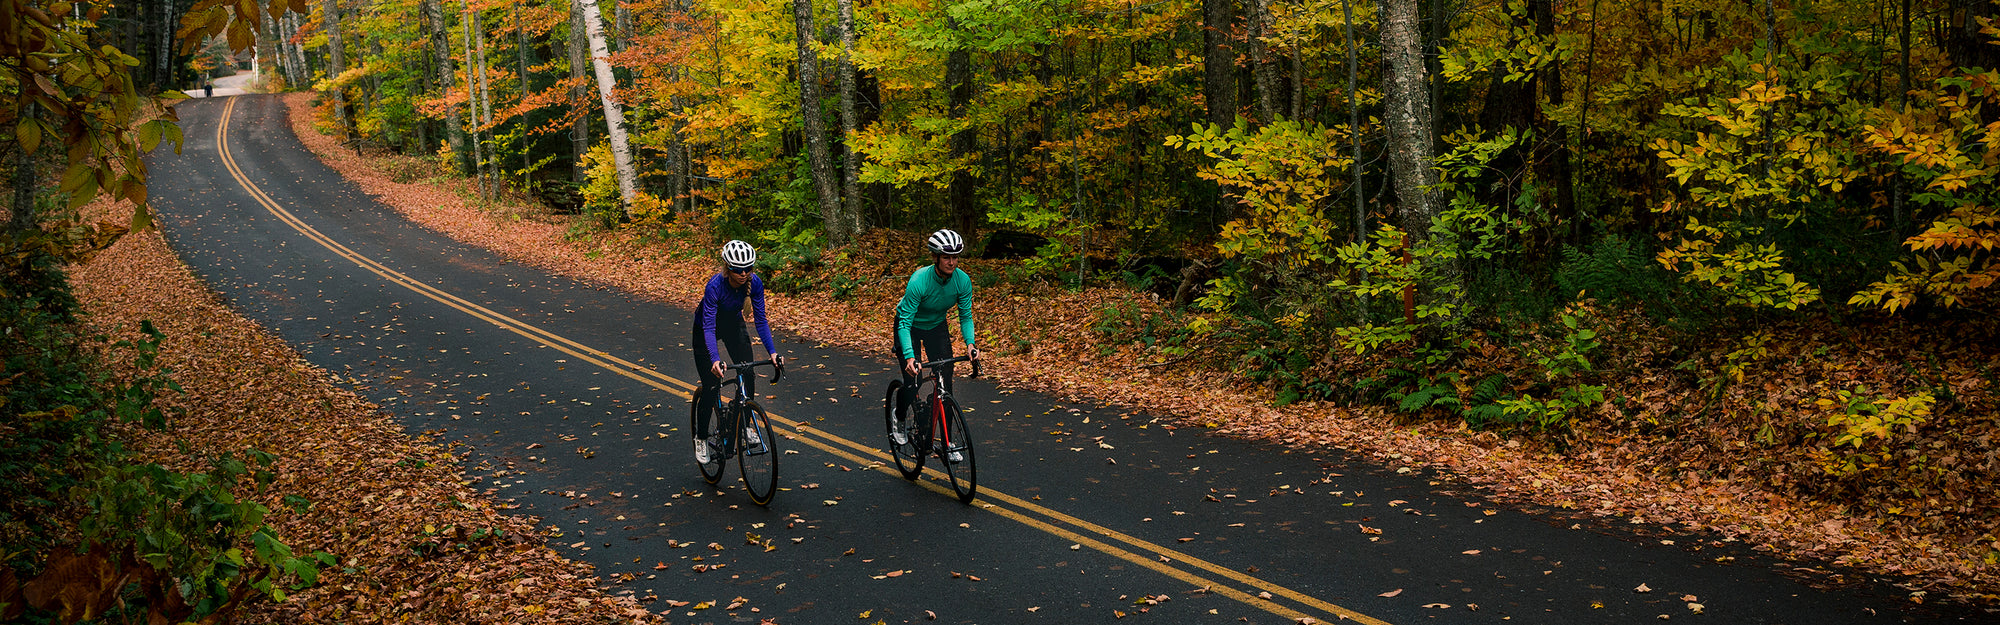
(700, 451)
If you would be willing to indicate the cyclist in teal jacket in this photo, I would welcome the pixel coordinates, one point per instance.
(920, 316)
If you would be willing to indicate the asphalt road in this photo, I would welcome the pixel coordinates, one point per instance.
(569, 399)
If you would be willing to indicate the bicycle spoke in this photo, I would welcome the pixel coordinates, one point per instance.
(711, 472)
(758, 456)
(955, 451)
(908, 455)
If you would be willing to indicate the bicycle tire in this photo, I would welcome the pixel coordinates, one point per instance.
(909, 456)
(759, 462)
(964, 473)
(711, 472)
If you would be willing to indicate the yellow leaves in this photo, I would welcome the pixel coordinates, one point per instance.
(1861, 419)
(1750, 275)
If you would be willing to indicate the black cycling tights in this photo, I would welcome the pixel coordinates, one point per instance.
(738, 345)
(933, 344)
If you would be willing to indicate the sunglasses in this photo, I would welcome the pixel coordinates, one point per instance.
(739, 270)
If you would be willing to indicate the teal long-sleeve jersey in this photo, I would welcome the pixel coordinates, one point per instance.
(927, 299)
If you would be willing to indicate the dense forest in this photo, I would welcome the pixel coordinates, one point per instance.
(1715, 226)
(1764, 156)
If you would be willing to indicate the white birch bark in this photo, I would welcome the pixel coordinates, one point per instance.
(614, 114)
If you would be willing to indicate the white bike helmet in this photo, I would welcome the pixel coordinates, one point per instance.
(739, 255)
(945, 242)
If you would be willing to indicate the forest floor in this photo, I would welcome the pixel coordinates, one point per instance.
(1039, 338)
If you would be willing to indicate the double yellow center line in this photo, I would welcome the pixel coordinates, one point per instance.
(1170, 562)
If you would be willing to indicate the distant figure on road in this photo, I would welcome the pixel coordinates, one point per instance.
(208, 90)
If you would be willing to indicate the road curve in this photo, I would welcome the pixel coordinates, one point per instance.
(569, 400)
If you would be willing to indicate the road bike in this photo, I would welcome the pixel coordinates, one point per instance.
(743, 432)
(939, 433)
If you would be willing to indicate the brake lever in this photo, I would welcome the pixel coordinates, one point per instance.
(975, 368)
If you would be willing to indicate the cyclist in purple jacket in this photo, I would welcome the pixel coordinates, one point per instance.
(719, 319)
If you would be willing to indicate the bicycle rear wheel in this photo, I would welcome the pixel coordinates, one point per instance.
(909, 455)
(955, 453)
(758, 457)
(712, 471)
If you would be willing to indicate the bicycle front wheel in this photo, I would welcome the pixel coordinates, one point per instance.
(711, 471)
(909, 455)
(955, 448)
(758, 454)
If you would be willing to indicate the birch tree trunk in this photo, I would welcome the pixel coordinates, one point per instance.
(163, 58)
(486, 108)
(614, 114)
(850, 191)
(336, 62)
(301, 74)
(579, 132)
(817, 154)
(475, 50)
(1260, 60)
(454, 124)
(1406, 112)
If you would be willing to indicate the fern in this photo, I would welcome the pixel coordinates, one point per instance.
(1613, 268)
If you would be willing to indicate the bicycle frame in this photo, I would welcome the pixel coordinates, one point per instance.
(942, 434)
(728, 414)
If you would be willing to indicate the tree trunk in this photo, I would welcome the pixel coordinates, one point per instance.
(1261, 68)
(336, 63)
(1552, 138)
(579, 132)
(614, 114)
(958, 78)
(622, 27)
(21, 211)
(488, 166)
(454, 124)
(267, 45)
(163, 62)
(1406, 112)
(1219, 61)
(472, 102)
(295, 58)
(818, 157)
(850, 192)
(1354, 121)
(521, 50)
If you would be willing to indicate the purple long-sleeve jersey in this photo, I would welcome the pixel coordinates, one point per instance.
(718, 301)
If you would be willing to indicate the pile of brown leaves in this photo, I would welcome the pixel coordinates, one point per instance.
(1041, 339)
(414, 542)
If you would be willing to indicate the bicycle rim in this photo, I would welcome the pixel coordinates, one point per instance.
(711, 472)
(909, 456)
(964, 473)
(758, 462)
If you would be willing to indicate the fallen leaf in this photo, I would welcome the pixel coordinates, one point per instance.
(1470, 552)
(1437, 606)
(1391, 593)
(1643, 588)
(1369, 530)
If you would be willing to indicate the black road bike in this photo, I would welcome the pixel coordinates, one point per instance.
(741, 431)
(937, 431)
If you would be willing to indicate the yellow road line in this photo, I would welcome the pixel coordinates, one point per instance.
(868, 455)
